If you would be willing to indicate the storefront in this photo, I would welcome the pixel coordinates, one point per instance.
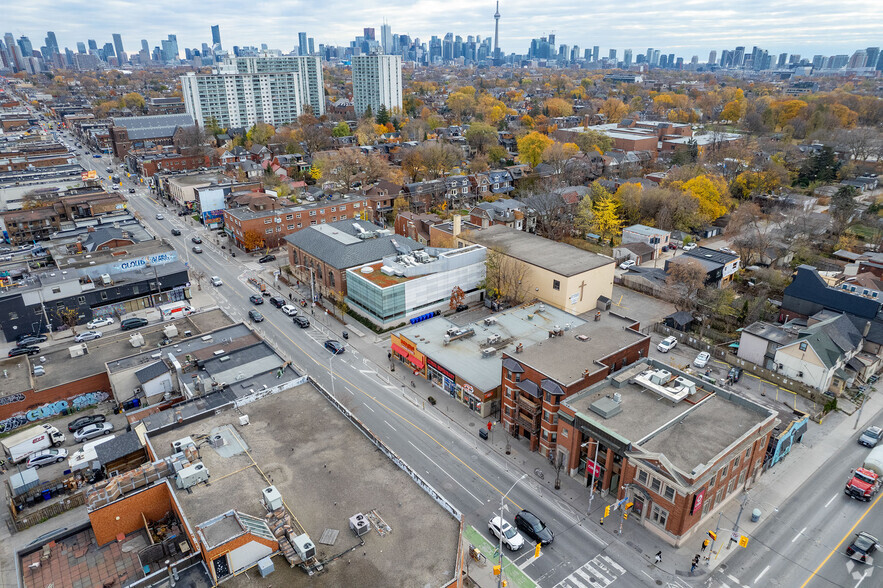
(406, 352)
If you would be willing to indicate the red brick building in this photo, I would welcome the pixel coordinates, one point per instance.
(150, 162)
(536, 379)
(675, 446)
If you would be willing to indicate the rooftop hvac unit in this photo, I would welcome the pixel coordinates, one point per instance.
(421, 256)
(181, 444)
(488, 352)
(491, 320)
(77, 350)
(359, 524)
(105, 279)
(170, 331)
(192, 475)
(136, 340)
(386, 270)
(494, 338)
(304, 547)
(272, 498)
(243, 420)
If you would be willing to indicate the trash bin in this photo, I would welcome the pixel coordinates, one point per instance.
(755, 515)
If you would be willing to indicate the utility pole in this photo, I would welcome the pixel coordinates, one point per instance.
(625, 497)
(738, 516)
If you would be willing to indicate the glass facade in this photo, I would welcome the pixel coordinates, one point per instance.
(384, 304)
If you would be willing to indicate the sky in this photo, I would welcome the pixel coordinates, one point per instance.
(683, 27)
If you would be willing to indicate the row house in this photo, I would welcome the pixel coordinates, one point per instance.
(458, 191)
(425, 195)
(381, 199)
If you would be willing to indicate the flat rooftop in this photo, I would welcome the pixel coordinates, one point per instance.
(689, 433)
(526, 325)
(16, 374)
(326, 471)
(564, 359)
(61, 368)
(553, 256)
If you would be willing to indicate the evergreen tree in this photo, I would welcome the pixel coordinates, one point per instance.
(382, 115)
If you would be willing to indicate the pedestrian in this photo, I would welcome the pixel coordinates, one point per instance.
(704, 545)
(658, 556)
(696, 559)
(601, 522)
(389, 355)
(289, 296)
(693, 567)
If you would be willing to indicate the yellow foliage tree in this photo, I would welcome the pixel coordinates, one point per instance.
(710, 193)
(614, 109)
(527, 121)
(531, 147)
(606, 221)
(558, 107)
(732, 112)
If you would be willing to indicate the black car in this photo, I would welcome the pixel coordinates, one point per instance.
(277, 301)
(196, 240)
(255, 316)
(131, 190)
(133, 323)
(301, 321)
(77, 424)
(462, 307)
(531, 525)
(29, 340)
(256, 299)
(267, 258)
(862, 547)
(176, 232)
(23, 351)
(335, 347)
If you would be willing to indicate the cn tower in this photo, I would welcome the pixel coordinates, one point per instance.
(497, 35)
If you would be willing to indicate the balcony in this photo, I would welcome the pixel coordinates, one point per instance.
(529, 423)
(528, 404)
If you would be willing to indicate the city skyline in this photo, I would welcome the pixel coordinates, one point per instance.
(685, 28)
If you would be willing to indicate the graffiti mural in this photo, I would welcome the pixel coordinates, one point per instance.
(12, 423)
(11, 398)
(88, 399)
(47, 410)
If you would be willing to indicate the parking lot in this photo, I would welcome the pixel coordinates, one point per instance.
(750, 386)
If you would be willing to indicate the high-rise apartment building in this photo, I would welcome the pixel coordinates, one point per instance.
(386, 38)
(627, 58)
(377, 79)
(145, 46)
(712, 57)
(216, 35)
(118, 46)
(302, 47)
(307, 67)
(51, 43)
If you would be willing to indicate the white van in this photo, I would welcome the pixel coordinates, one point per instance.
(173, 310)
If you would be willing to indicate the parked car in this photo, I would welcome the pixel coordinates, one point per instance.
(255, 315)
(176, 232)
(462, 307)
(335, 347)
(511, 538)
(46, 457)
(871, 436)
(256, 299)
(667, 344)
(133, 323)
(267, 258)
(93, 431)
(87, 336)
(301, 321)
(862, 547)
(30, 340)
(728, 250)
(197, 249)
(531, 525)
(289, 309)
(79, 423)
(216, 281)
(159, 216)
(196, 240)
(100, 322)
(627, 264)
(15, 352)
(277, 301)
(131, 190)
(690, 246)
(702, 359)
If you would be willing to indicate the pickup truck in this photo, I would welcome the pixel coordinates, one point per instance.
(865, 482)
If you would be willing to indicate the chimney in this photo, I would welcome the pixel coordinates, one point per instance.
(457, 220)
(866, 329)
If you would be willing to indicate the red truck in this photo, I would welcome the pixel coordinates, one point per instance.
(865, 481)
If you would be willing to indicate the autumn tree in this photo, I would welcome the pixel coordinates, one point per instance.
(506, 277)
(532, 146)
(341, 130)
(606, 221)
(558, 154)
(556, 107)
(481, 136)
(252, 240)
(684, 279)
(434, 159)
(68, 317)
(400, 204)
(709, 190)
(457, 298)
(593, 141)
(584, 219)
(842, 209)
(261, 133)
(614, 109)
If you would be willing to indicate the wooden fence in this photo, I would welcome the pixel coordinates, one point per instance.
(22, 521)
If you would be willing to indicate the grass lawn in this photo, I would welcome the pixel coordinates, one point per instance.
(863, 231)
(516, 577)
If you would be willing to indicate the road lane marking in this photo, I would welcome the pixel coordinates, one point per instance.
(348, 390)
(390, 426)
(733, 578)
(832, 499)
(796, 537)
(760, 575)
(367, 372)
(447, 474)
(837, 547)
(368, 407)
(529, 561)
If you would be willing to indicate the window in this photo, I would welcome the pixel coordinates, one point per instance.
(736, 462)
(334, 219)
(564, 433)
(742, 478)
(104, 295)
(720, 496)
(669, 493)
(803, 346)
(299, 225)
(313, 223)
(642, 477)
(723, 473)
(518, 377)
(333, 209)
(747, 453)
(343, 217)
(730, 485)
(312, 213)
(267, 221)
(290, 227)
(269, 231)
(82, 299)
(706, 507)
(658, 515)
(298, 215)
(56, 289)
(711, 481)
(656, 485)
(556, 285)
(342, 207)
(331, 279)
(289, 217)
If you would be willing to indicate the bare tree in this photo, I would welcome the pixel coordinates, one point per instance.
(193, 140)
(860, 142)
(68, 317)
(197, 275)
(506, 277)
(684, 280)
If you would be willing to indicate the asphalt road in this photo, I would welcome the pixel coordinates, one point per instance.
(804, 542)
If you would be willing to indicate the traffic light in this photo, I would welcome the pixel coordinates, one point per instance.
(713, 535)
(497, 570)
(536, 552)
(607, 511)
(625, 515)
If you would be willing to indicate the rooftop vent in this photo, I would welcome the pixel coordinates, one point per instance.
(608, 406)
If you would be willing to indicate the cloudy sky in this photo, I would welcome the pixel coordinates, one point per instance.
(684, 27)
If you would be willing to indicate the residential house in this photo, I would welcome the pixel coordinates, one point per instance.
(416, 226)
(505, 211)
(656, 238)
(720, 267)
(458, 192)
(637, 252)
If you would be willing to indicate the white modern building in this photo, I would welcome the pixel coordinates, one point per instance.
(414, 284)
(244, 91)
(377, 79)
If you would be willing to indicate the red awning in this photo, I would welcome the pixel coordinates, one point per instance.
(415, 361)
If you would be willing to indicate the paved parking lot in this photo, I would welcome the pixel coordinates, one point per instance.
(750, 386)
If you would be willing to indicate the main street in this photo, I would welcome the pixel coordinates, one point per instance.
(457, 464)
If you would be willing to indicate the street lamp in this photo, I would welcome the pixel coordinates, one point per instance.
(500, 549)
(312, 284)
(594, 468)
(331, 370)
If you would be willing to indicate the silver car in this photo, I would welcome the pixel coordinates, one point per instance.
(871, 436)
(87, 336)
(46, 457)
(92, 431)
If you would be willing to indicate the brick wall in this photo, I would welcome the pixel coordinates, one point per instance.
(34, 399)
(124, 515)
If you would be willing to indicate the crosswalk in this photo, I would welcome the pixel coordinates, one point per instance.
(598, 572)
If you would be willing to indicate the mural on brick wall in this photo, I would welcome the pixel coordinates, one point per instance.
(4, 400)
(53, 408)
